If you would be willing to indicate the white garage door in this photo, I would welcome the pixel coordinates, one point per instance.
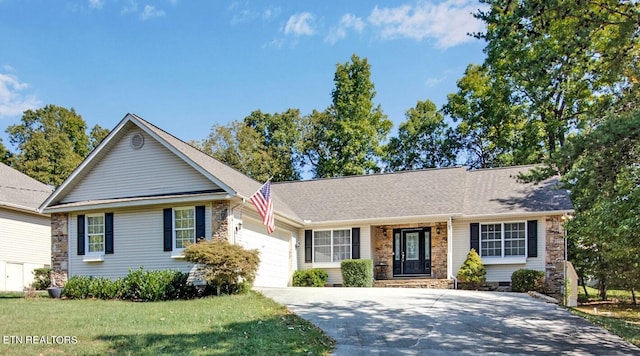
(274, 253)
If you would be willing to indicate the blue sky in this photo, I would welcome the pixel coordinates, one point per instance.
(185, 65)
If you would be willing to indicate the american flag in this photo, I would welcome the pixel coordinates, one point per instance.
(264, 204)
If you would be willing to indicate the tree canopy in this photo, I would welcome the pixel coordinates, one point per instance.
(424, 140)
(347, 138)
(51, 142)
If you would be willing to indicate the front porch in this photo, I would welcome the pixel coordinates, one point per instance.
(424, 282)
(411, 255)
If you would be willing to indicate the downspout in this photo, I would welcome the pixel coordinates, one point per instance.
(450, 252)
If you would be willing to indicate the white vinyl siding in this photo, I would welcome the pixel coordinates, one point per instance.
(500, 272)
(149, 171)
(25, 244)
(138, 241)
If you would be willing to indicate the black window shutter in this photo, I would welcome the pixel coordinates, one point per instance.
(308, 246)
(475, 236)
(200, 224)
(167, 229)
(532, 238)
(108, 233)
(80, 235)
(355, 243)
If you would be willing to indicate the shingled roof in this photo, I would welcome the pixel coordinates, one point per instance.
(420, 194)
(423, 194)
(19, 191)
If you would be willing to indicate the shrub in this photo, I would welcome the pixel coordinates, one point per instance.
(357, 273)
(104, 288)
(226, 266)
(140, 285)
(77, 287)
(472, 271)
(41, 278)
(524, 280)
(314, 277)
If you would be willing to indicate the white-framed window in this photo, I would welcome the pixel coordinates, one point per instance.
(503, 239)
(184, 227)
(331, 245)
(95, 236)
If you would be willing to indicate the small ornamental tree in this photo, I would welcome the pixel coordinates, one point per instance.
(472, 271)
(224, 265)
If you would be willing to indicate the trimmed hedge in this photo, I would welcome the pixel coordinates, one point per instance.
(314, 277)
(524, 280)
(357, 273)
(138, 285)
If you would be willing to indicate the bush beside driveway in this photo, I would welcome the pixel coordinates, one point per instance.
(367, 321)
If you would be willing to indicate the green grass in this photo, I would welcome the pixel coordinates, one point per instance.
(229, 325)
(617, 314)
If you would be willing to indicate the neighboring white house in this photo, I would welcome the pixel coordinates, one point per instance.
(25, 234)
(142, 193)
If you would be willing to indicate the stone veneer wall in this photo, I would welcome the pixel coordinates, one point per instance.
(554, 259)
(220, 221)
(60, 246)
(383, 253)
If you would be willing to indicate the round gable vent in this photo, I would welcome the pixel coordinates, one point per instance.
(137, 141)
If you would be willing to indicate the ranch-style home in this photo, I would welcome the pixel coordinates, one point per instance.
(25, 234)
(142, 194)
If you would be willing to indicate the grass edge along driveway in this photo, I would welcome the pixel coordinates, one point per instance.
(228, 325)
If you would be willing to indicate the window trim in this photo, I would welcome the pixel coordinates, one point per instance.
(95, 256)
(177, 252)
(331, 263)
(504, 259)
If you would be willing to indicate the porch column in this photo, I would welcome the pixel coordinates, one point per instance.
(60, 246)
(554, 259)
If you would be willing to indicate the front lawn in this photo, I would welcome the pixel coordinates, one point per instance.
(617, 314)
(238, 325)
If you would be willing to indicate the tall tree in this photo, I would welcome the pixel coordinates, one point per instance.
(603, 176)
(262, 146)
(51, 142)
(280, 135)
(424, 140)
(492, 125)
(346, 139)
(566, 61)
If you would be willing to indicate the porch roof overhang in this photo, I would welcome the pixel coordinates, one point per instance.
(137, 201)
(394, 220)
(516, 214)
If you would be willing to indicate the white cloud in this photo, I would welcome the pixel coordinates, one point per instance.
(150, 12)
(448, 22)
(96, 4)
(300, 25)
(432, 82)
(131, 6)
(12, 101)
(347, 22)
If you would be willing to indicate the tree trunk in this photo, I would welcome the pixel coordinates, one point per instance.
(633, 296)
(584, 286)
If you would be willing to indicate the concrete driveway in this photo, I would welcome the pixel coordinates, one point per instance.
(366, 321)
